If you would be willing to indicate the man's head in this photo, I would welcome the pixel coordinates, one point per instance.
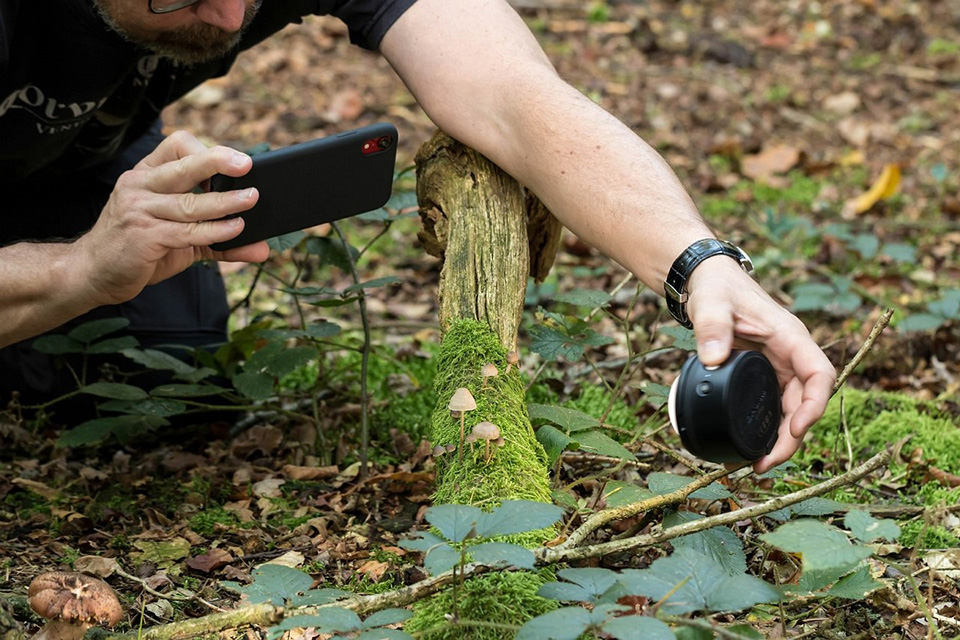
(197, 33)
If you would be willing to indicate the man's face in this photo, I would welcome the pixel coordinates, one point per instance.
(196, 34)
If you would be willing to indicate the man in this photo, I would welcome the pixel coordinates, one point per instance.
(82, 83)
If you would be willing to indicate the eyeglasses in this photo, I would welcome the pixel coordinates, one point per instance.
(169, 6)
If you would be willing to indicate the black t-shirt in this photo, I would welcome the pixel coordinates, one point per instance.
(73, 93)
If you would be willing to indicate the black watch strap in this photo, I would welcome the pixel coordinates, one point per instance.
(675, 286)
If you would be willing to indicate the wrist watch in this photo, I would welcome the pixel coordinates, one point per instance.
(675, 286)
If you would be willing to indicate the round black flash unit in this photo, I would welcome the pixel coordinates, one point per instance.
(729, 413)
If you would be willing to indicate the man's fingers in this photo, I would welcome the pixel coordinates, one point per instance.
(177, 145)
(199, 207)
(257, 252)
(185, 174)
(714, 329)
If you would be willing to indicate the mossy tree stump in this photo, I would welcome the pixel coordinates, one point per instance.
(483, 225)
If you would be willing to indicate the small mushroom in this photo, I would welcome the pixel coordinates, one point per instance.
(488, 370)
(450, 448)
(72, 603)
(488, 432)
(462, 401)
(439, 450)
(513, 358)
(455, 414)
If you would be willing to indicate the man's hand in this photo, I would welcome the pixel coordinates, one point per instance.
(155, 226)
(730, 310)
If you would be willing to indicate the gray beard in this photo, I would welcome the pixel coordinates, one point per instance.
(184, 46)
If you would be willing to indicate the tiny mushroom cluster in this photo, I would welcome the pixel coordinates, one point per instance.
(72, 603)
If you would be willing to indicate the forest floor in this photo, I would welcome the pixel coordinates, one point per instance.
(776, 116)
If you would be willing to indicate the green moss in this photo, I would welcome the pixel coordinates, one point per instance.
(879, 419)
(515, 603)
(466, 347)
(916, 534)
(517, 471)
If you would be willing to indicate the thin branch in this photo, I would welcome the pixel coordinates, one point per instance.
(601, 518)
(878, 328)
(546, 555)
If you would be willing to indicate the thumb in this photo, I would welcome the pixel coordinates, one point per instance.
(714, 331)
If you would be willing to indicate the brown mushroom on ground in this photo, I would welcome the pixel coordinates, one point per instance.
(72, 603)
(439, 450)
(462, 401)
(488, 432)
(513, 358)
(488, 371)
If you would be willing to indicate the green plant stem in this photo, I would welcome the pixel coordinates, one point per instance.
(364, 358)
(871, 339)
(921, 601)
(628, 365)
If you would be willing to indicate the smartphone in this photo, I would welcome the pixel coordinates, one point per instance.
(313, 182)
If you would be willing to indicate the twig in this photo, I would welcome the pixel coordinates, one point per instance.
(551, 555)
(601, 518)
(166, 596)
(878, 328)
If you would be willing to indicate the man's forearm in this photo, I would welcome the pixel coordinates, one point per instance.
(492, 88)
(39, 289)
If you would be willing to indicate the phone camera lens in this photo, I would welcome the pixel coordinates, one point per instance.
(384, 142)
(703, 388)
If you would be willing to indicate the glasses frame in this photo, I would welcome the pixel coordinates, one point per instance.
(176, 6)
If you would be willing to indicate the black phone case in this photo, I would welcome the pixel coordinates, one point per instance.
(313, 182)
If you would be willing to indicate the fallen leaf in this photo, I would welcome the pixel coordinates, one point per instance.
(374, 569)
(884, 187)
(770, 162)
(269, 488)
(38, 488)
(97, 566)
(291, 559)
(210, 561)
(295, 472)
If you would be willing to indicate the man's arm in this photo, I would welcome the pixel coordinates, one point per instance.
(481, 76)
(152, 227)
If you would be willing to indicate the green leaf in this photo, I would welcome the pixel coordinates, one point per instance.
(719, 543)
(308, 291)
(564, 592)
(900, 252)
(584, 298)
(290, 359)
(455, 522)
(273, 583)
(561, 624)
(921, 322)
(386, 617)
(823, 548)
(810, 507)
(601, 443)
(594, 581)
(372, 284)
(316, 597)
(866, 244)
(114, 390)
(637, 628)
(866, 528)
(150, 407)
(331, 252)
(186, 390)
(856, 586)
(551, 344)
(502, 554)
(423, 541)
(619, 493)
(655, 394)
(555, 442)
(335, 619)
(683, 338)
(57, 345)
(256, 386)
(124, 428)
(569, 419)
(286, 241)
(695, 582)
(95, 329)
(661, 483)
(517, 516)
(112, 345)
(333, 302)
(159, 361)
(320, 329)
(440, 559)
